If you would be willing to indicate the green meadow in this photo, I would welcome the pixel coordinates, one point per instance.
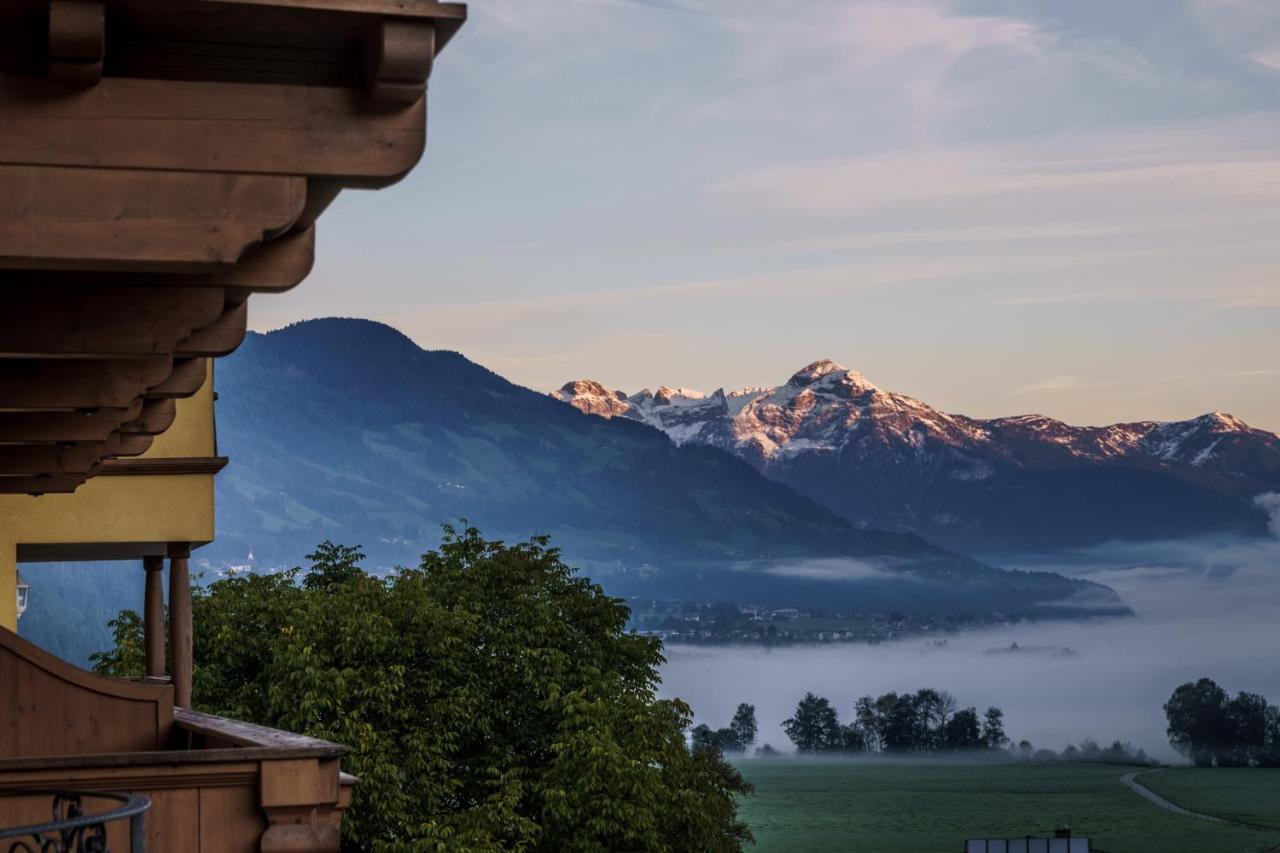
(1243, 794)
(807, 806)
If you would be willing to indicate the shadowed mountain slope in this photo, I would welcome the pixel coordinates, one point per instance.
(347, 430)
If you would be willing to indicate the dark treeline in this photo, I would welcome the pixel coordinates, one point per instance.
(925, 721)
(1213, 728)
(737, 737)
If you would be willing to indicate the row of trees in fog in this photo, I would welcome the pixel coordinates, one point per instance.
(1213, 728)
(925, 721)
(1205, 723)
(738, 736)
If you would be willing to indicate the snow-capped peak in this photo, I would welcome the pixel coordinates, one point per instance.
(665, 396)
(593, 398)
(826, 408)
(580, 387)
(814, 371)
(1222, 422)
(829, 373)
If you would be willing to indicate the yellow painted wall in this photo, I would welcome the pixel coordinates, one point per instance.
(144, 509)
(8, 586)
(192, 432)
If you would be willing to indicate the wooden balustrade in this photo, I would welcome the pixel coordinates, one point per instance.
(215, 784)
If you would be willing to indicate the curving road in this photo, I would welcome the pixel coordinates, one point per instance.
(1130, 782)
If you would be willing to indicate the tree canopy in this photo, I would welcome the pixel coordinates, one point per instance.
(925, 721)
(738, 736)
(491, 698)
(815, 726)
(1213, 728)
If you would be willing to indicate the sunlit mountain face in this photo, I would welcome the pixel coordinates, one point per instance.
(1027, 482)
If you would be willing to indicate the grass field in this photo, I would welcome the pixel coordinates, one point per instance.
(803, 806)
(1244, 794)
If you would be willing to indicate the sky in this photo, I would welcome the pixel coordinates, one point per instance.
(999, 207)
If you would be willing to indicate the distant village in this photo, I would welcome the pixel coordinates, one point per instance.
(727, 622)
(714, 623)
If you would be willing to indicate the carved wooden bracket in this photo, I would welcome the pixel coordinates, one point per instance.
(400, 58)
(299, 798)
(77, 40)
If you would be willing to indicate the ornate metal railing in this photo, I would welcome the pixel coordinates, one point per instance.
(73, 831)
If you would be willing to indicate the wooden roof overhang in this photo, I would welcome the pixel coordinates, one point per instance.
(161, 161)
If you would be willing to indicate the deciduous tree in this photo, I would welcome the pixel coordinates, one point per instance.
(1196, 714)
(492, 700)
(815, 726)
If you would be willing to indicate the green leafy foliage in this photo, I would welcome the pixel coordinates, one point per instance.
(815, 726)
(926, 721)
(1213, 728)
(128, 657)
(491, 698)
(737, 737)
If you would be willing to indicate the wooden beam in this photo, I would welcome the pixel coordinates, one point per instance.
(77, 40)
(154, 417)
(53, 217)
(105, 321)
(273, 266)
(153, 634)
(62, 427)
(244, 128)
(60, 384)
(321, 192)
(134, 445)
(47, 485)
(220, 337)
(180, 636)
(400, 54)
(162, 466)
(188, 376)
(35, 459)
(448, 18)
(399, 8)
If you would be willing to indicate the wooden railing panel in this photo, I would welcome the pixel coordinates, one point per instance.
(53, 708)
(174, 820)
(230, 820)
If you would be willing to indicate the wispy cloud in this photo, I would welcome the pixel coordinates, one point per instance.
(931, 189)
(1226, 164)
(1250, 29)
(1077, 384)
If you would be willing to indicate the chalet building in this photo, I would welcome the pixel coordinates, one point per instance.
(161, 161)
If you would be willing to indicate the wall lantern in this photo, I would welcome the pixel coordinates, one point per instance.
(24, 591)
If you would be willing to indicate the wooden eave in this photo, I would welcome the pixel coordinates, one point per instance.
(161, 161)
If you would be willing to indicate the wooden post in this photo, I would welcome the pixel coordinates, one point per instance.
(180, 623)
(153, 616)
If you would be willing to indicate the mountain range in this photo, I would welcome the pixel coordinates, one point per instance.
(346, 430)
(992, 486)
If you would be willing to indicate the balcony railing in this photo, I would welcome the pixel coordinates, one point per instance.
(213, 784)
(72, 830)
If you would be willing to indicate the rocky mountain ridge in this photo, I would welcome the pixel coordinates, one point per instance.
(834, 435)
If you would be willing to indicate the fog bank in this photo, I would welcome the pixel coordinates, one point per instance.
(1205, 607)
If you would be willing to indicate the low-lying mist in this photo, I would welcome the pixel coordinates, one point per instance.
(1208, 607)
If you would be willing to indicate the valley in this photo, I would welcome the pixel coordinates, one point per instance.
(428, 438)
